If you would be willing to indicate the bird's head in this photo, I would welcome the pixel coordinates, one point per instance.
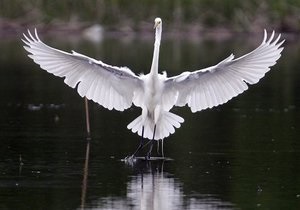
(157, 22)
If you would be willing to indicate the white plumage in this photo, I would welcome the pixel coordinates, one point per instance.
(118, 87)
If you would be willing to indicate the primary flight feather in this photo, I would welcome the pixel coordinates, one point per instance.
(118, 87)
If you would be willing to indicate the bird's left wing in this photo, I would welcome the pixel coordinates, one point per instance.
(216, 85)
(110, 86)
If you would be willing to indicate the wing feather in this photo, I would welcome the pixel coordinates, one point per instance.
(216, 85)
(110, 86)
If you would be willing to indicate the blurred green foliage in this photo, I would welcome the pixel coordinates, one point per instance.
(233, 14)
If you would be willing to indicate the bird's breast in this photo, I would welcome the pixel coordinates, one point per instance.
(153, 93)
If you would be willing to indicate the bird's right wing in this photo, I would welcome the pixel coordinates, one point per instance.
(216, 85)
(110, 86)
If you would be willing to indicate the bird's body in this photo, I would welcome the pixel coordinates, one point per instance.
(118, 87)
(155, 110)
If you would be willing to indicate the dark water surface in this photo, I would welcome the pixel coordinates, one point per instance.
(241, 155)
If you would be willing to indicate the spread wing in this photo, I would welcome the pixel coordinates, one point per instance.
(110, 86)
(216, 85)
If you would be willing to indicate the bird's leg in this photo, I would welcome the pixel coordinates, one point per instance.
(140, 145)
(151, 144)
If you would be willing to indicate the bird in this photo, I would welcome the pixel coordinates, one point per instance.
(155, 93)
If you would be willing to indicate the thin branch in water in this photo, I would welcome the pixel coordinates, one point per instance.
(87, 117)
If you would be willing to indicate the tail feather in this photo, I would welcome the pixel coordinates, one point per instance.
(165, 125)
(135, 124)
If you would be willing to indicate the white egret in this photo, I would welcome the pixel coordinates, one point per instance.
(118, 87)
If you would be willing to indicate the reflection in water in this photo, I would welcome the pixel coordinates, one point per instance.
(152, 188)
(20, 165)
(85, 175)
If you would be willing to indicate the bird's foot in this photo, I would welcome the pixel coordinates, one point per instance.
(148, 156)
(129, 157)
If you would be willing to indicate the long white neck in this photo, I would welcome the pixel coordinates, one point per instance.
(154, 66)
